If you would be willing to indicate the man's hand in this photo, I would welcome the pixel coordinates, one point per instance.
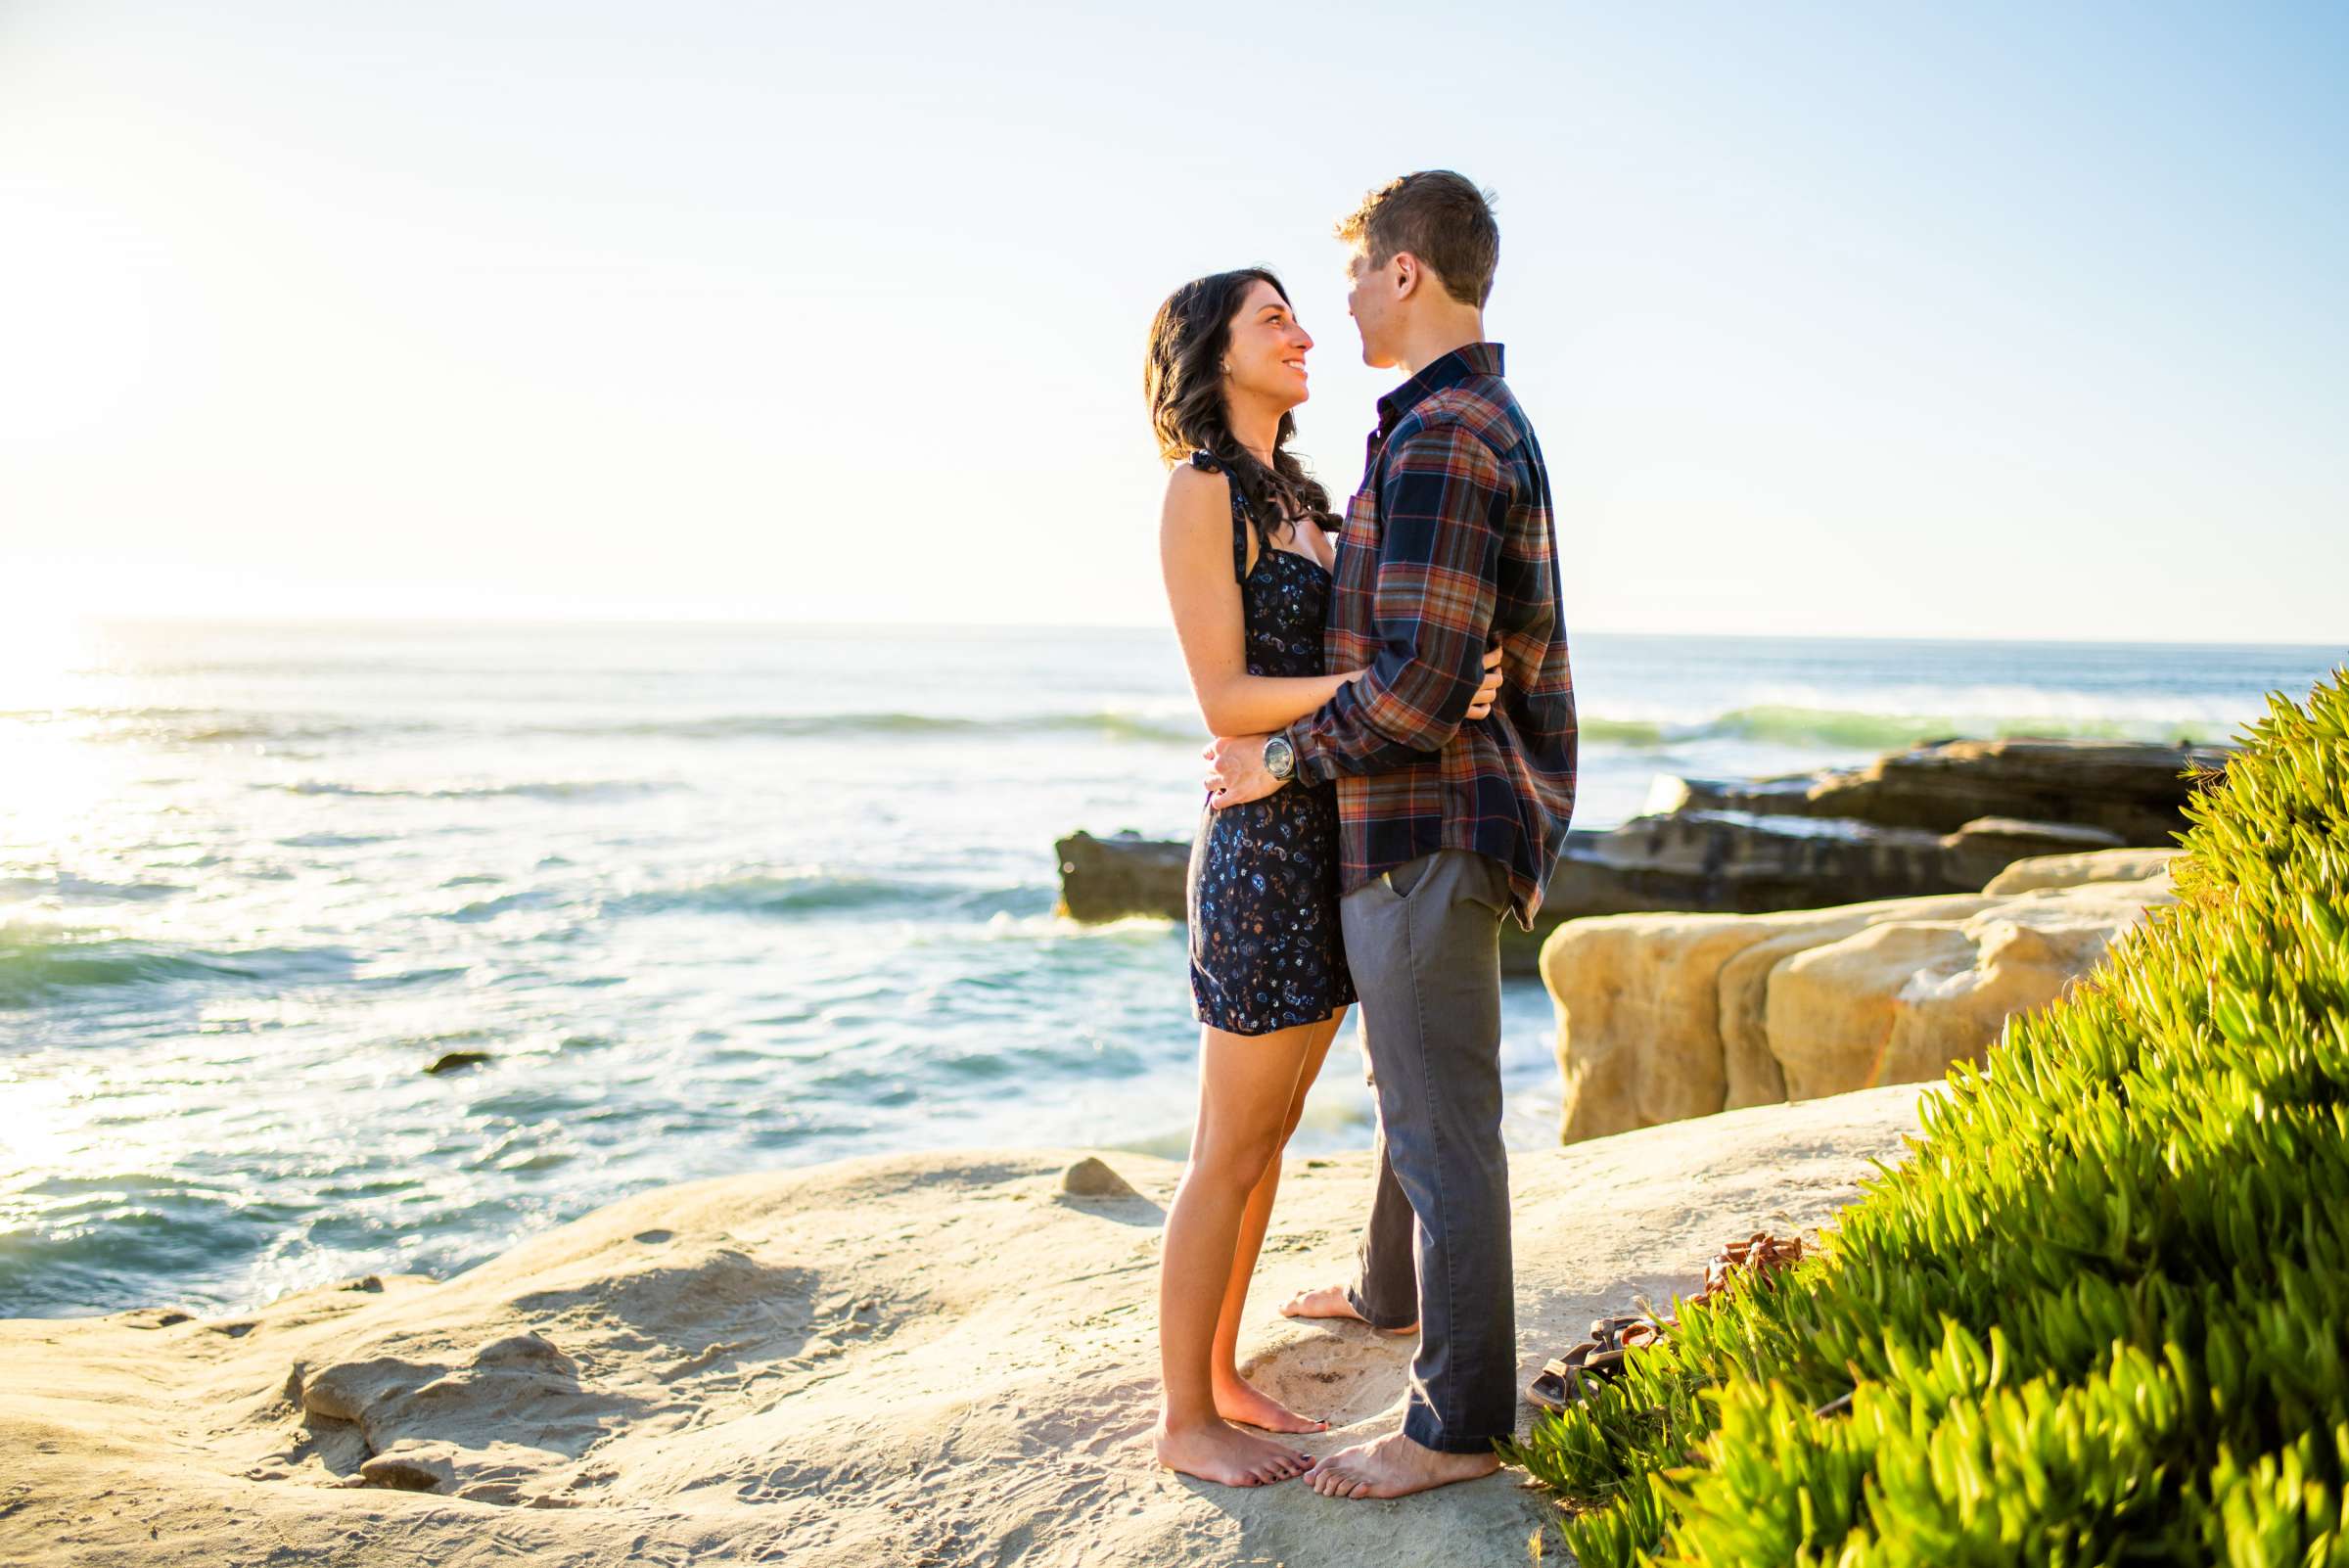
(1235, 770)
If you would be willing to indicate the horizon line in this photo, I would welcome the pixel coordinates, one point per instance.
(671, 622)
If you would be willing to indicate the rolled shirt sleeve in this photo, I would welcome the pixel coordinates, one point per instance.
(1442, 503)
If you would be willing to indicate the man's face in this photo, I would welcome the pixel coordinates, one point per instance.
(1370, 300)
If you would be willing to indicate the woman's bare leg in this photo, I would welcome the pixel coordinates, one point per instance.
(1237, 1400)
(1246, 1085)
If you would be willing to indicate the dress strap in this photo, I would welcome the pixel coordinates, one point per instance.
(1206, 463)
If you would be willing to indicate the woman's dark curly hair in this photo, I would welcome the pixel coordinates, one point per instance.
(1182, 380)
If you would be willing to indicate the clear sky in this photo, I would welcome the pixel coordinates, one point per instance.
(1993, 320)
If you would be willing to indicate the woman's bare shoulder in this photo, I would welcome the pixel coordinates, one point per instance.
(1196, 496)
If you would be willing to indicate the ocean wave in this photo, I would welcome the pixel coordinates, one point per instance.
(204, 727)
(549, 790)
(1621, 731)
(39, 962)
(1784, 723)
(1108, 724)
(801, 892)
(212, 726)
(1855, 729)
(66, 885)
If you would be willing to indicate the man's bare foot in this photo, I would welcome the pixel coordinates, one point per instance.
(1330, 1302)
(1395, 1466)
(1228, 1456)
(1241, 1400)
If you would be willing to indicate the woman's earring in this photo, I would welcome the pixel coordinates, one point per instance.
(1228, 370)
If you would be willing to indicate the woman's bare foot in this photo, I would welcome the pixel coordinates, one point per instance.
(1228, 1456)
(1239, 1400)
(1330, 1302)
(1395, 1466)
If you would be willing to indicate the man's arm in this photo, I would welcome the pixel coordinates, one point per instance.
(1441, 505)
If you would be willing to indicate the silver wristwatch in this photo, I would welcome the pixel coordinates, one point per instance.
(1281, 758)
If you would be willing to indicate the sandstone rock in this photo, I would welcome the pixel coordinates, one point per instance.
(512, 1410)
(1092, 1178)
(2071, 870)
(1664, 1016)
(1663, 1010)
(411, 1468)
(1901, 1002)
(1619, 1004)
(1752, 1075)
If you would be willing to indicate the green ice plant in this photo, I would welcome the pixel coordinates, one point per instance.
(2100, 1313)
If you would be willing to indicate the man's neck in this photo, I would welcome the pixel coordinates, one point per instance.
(1431, 343)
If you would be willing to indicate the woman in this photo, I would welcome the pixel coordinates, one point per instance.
(1245, 543)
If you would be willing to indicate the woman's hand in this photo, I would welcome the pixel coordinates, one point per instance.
(1491, 689)
(1482, 704)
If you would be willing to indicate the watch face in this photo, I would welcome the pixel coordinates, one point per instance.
(1279, 759)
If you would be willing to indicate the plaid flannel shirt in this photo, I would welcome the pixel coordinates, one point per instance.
(1448, 549)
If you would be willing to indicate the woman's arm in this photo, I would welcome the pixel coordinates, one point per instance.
(1194, 541)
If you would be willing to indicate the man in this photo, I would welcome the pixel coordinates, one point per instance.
(1446, 825)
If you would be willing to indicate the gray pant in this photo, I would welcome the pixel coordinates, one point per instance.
(1424, 941)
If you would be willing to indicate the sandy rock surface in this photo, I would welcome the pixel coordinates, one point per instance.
(923, 1359)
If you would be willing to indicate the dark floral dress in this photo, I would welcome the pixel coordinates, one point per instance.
(1267, 951)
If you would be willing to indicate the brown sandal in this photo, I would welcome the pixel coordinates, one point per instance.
(1626, 1331)
(1573, 1375)
(1759, 1253)
(1596, 1360)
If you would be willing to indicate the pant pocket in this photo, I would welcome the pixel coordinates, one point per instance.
(1403, 879)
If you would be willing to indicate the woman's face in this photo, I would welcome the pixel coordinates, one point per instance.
(1267, 349)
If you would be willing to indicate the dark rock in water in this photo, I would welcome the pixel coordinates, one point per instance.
(1788, 795)
(1943, 817)
(1124, 874)
(457, 1061)
(1744, 863)
(1741, 862)
(1988, 845)
(1092, 1178)
(2133, 791)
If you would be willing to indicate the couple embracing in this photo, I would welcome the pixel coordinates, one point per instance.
(1392, 778)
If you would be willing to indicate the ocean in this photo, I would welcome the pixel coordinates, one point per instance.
(711, 898)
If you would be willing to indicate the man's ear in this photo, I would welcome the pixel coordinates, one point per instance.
(1406, 271)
